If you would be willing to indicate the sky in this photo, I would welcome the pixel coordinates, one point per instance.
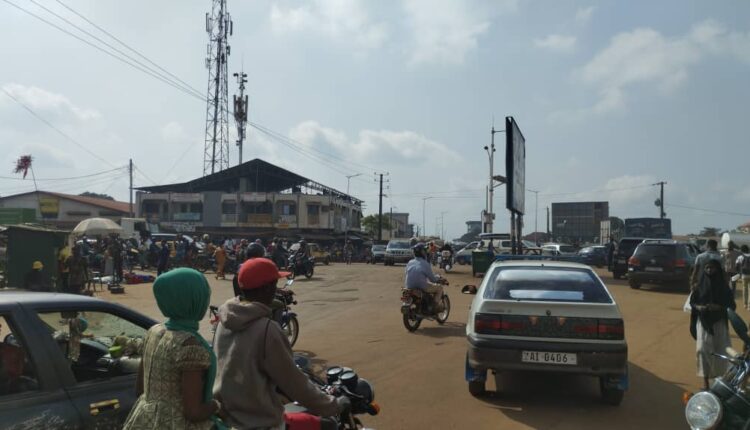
(611, 97)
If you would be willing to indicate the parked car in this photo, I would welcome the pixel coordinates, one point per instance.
(171, 237)
(42, 387)
(661, 261)
(378, 253)
(546, 316)
(463, 256)
(625, 248)
(398, 251)
(558, 249)
(320, 254)
(594, 255)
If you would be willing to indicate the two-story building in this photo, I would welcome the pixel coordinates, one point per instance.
(253, 199)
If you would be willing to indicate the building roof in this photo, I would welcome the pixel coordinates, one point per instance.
(112, 205)
(262, 177)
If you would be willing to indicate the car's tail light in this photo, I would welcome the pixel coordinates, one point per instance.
(611, 329)
(584, 329)
(680, 263)
(494, 324)
(633, 261)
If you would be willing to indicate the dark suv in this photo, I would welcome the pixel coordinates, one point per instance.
(660, 262)
(625, 248)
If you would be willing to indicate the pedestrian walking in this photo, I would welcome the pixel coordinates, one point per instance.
(163, 261)
(700, 261)
(743, 268)
(730, 264)
(78, 275)
(220, 255)
(709, 301)
(178, 368)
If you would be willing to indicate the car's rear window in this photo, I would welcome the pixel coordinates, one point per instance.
(627, 246)
(567, 248)
(554, 284)
(399, 245)
(655, 250)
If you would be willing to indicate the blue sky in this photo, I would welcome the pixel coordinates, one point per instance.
(611, 97)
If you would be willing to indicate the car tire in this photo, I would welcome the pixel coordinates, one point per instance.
(610, 396)
(617, 275)
(327, 261)
(476, 388)
(634, 284)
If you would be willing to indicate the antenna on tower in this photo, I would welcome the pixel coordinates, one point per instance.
(240, 110)
(216, 151)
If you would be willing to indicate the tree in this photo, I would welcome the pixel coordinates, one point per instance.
(370, 223)
(710, 231)
(96, 195)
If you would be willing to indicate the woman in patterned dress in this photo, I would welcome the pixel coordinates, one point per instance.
(178, 367)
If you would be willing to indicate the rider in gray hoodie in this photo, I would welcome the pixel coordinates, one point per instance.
(254, 357)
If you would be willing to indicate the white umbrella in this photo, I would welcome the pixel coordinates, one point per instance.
(97, 227)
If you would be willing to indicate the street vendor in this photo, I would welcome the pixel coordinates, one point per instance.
(36, 279)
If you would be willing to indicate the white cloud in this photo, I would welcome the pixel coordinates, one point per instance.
(583, 15)
(173, 132)
(371, 147)
(556, 42)
(444, 31)
(345, 20)
(645, 57)
(42, 100)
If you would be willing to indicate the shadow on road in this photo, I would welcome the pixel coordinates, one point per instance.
(562, 401)
(681, 290)
(449, 329)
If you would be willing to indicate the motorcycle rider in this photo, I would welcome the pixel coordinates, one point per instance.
(302, 252)
(449, 248)
(419, 276)
(248, 344)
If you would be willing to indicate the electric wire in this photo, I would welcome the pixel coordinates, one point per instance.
(135, 66)
(40, 118)
(65, 179)
(721, 212)
(128, 46)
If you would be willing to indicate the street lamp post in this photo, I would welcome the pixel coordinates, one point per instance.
(491, 153)
(424, 225)
(442, 224)
(346, 228)
(536, 215)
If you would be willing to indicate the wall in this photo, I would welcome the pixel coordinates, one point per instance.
(59, 210)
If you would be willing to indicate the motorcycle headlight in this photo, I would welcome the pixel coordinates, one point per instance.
(703, 411)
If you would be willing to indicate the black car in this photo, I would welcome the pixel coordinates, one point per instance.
(625, 248)
(658, 261)
(594, 255)
(68, 361)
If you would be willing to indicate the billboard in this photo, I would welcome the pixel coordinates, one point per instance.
(515, 166)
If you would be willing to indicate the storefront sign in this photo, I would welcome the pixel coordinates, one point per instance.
(49, 205)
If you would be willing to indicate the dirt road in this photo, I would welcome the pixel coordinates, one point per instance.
(349, 315)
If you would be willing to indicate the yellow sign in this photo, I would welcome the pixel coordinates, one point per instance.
(49, 205)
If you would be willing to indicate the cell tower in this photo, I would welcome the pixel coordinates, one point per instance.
(219, 28)
(240, 110)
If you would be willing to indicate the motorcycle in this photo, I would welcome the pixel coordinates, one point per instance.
(727, 404)
(446, 260)
(418, 305)
(301, 265)
(203, 263)
(340, 381)
(284, 316)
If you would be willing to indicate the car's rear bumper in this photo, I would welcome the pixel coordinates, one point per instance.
(658, 277)
(592, 359)
(398, 258)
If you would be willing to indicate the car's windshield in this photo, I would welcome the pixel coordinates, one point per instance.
(398, 245)
(554, 284)
(378, 247)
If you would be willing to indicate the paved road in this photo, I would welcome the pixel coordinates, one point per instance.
(349, 315)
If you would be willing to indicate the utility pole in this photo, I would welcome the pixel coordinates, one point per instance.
(130, 170)
(380, 210)
(536, 214)
(216, 146)
(491, 187)
(348, 178)
(424, 225)
(240, 111)
(442, 224)
(660, 202)
(547, 222)
(390, 223)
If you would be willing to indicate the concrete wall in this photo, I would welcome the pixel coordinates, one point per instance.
(67, 211)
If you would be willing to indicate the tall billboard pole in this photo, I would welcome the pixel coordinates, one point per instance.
(515, 168)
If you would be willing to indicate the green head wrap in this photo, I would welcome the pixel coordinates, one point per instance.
(183, 296)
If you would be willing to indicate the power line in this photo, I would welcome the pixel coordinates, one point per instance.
(65, 179)
(37, 116)
(138, 169)
(128, 46)
(708, 210)
(597, 191)
(135, 66)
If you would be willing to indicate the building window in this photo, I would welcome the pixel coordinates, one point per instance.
(288, 209)
(151, 207)
(229, 207)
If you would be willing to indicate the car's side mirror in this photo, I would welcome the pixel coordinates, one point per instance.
(469, 289)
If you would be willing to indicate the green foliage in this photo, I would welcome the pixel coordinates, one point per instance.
(370, 223)
(96, 195)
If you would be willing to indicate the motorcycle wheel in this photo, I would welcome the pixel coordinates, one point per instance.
(291, 330)
(442, 317)
(411, 322)
(309, 272)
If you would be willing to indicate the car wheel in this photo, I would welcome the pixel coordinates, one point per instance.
(610, 395)
(634, 284)
(616, 275)
(476, 388)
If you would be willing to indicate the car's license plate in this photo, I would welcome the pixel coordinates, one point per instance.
(549, 357)
(622, 261)
(654, 269)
